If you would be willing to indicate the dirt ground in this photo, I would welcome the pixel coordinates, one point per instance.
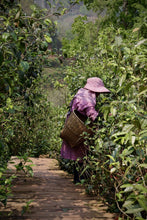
(50, 195)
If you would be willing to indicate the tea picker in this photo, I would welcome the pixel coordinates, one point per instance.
(82, 107)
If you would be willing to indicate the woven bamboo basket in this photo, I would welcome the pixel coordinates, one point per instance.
(73, 129)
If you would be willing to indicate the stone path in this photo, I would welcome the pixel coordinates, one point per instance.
(52, 196)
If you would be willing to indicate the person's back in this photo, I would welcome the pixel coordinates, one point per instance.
(84, 102)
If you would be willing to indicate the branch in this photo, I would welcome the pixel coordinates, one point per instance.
(116, 190)
(50, 15)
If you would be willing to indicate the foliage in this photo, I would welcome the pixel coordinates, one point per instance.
(23, 166)
(122, 13)
(5, 186)
(26, 208)
(114, 49)
(25, 113)
(117, 158)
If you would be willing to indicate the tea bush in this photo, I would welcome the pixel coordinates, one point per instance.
(117, 158)
(25, 125)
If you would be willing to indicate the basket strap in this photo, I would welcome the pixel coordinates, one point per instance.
(70, 106)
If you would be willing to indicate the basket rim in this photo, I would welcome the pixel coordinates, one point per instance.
(77, 116)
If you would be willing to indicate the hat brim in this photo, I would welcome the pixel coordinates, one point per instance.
(101, 89)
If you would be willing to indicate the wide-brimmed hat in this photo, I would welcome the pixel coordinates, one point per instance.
(95, 84)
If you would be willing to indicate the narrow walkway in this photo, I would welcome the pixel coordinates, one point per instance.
(53, 196)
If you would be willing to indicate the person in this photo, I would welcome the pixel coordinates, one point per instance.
(84, 102)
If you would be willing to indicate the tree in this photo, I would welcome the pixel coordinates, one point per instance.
(24, 42)
(123, 13)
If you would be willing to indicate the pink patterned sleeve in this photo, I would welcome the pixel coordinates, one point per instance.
(91, 113)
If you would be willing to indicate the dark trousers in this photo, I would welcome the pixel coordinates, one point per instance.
(77, 171)
(79, 174)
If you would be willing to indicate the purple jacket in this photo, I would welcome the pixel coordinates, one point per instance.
(84, 101)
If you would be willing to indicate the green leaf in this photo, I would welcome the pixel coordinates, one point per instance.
(143, 165)
(9, 103)
(1, 174)
(24, 65)
(127, 127)
(55, 22)
(127, 170)
(122, 80)
(47, 21)
(142, 93)
(140, 42)
(5, 36)
(143, 135)
(118, 134)
(33, 7)
(141, 188)
(143, 203)
(13, 34)
(63, 11)
(134, 210)
(127, 203)
(112, 158)
(113, 111)
(118, 41)
(133, 139)
(17, 15)
(139, 218)
(127, 50)
(47, 38)
(113, 170)
(128, 187)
